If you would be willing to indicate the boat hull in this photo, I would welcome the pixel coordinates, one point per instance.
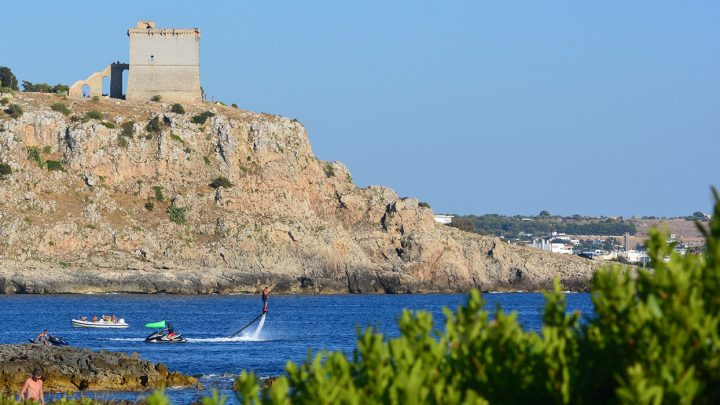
(77, 323)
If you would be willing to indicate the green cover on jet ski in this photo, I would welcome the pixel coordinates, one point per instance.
(158, 324)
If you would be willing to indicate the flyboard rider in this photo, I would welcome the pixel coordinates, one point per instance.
(265, 299)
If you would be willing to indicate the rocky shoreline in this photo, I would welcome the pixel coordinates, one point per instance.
(70, 369)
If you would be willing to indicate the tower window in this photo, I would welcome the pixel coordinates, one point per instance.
(152, 58)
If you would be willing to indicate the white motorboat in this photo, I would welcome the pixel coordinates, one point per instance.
(79, 323)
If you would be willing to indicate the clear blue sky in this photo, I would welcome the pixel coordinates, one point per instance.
(475, 107)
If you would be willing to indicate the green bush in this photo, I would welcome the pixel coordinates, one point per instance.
(4, 100)
(221, 182)
(122, 142)
(33, 153)
(206, 160)
(177, 214)
(149, 205)
(55, 166)
(202, 117)
(95, 99)
(177, 109)
(128, 129)
(176, 138)
(108, 124)
(156, 97)
(158, 193)
(654, 338)
(5, 170)
(94, 115)
(329, 170)
(61, 108)
(423, 204)
(14, 111)
(47, 149)
(153, 125)
(234, 105)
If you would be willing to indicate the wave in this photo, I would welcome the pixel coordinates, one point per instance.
(225, 339)
(124, 339)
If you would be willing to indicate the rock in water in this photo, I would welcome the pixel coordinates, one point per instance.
(73, 369)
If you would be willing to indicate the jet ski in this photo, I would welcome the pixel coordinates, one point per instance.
(53, 341)
(164, 337)
(167, 335)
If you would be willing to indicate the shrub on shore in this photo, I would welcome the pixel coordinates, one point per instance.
(653, 338)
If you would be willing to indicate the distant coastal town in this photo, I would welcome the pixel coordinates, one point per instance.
(598, 238)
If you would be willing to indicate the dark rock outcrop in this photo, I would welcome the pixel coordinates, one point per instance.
(75, 369)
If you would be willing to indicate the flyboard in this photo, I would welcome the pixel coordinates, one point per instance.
(239, 331)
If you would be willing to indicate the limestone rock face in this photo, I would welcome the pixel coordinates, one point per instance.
(290, 220)
(73, 369)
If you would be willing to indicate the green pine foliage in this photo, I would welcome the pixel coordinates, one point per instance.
(654, 338)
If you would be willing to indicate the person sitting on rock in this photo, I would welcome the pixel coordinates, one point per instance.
(32, 390)
(42, 337)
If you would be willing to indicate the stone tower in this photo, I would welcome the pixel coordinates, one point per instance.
(164, 62)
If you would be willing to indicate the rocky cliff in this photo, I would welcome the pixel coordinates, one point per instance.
(122, 202)
(73, 369)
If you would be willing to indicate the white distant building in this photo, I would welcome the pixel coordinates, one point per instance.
(554, 247)
(444, 219)
(635, 256)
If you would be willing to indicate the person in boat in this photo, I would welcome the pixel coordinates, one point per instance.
(94, 318)
(265, 299)
(83, 318)
(114, 319)
(32, 389)
(42, 337)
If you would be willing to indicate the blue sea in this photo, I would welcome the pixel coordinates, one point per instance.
(293, 326)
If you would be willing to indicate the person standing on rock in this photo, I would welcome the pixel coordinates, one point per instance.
(265, 299)
(32, 390)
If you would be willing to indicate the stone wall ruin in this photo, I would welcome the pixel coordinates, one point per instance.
(163, 62)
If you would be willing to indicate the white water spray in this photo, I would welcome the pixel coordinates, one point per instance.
(259, 327)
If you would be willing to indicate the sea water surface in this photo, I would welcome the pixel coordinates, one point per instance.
(293, 325)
